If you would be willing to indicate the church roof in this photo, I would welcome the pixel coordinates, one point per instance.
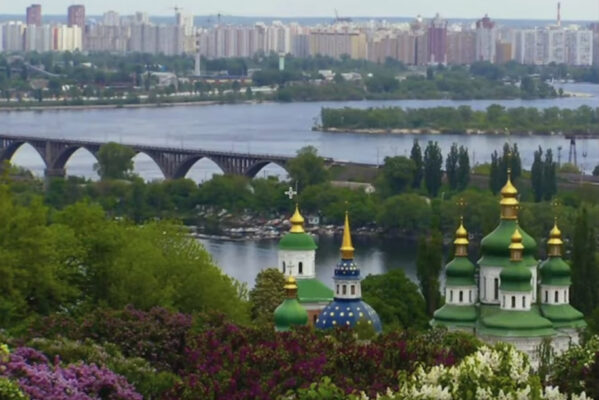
(460, 272)
(495, 250)
(297, 239)
(454, 315)
(290, 313)
(497, 322)
(556, 272)
(313, 291)
(563, 316)
(347, 313)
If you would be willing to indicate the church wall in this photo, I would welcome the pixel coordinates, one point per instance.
(452, 295)
(292, 258)
(488, 287)
(548, 294)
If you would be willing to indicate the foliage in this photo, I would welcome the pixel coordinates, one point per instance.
(416, 157)
(495, 119)
(575, 370)
(115, 161)
(268, 293)
(41, 380)
(396, 300)
(543, 176)
(147, 380)
(158, 335)
(463, 172)
(307, 168)
(396, 176)
(433, 162)
(233, 362)
(429, 264)
(451, 167)
(500, 165)
(585, 265)
(9, 390)
(407, 212)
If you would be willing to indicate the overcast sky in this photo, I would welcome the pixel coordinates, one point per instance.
(520, 9)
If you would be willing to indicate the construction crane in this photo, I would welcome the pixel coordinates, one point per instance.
(341, 19)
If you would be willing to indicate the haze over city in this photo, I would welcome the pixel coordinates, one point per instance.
(510, 9)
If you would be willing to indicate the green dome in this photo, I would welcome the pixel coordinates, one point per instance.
(297, 241)
(495, 250)
(454, 315)
(460, 272)
(563, 316)
(555, 271)
(290, 313)
(516, 278)
(497, 322)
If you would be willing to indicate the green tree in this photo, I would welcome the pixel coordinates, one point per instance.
(433, 161)
(268, 293)
(463, 173)
(495, 183)
(549, 176)
(536, 175)
(585, 265)
(396, 300)
(428, 267)
(596, 170)
(115, 161)
(308, 168)
(395, 176)
(416, 157)
(408, 212)
(451, 166)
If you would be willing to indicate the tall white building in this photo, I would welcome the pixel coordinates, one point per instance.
(13, 32)
(111, 18)
(486, 38)
(579, 45)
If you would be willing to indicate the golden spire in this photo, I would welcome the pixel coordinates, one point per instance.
(555, 242)
(297, 221)
(516, 246)
(290, 287)
(461, 239)
(347, 249)
(509, 199)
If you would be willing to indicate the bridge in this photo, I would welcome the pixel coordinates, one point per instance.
(173, 162)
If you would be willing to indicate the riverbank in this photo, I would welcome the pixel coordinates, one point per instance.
(397, 131)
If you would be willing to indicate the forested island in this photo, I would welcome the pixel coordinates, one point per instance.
(496, 119)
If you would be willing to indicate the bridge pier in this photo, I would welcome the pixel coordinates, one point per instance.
(55, 172)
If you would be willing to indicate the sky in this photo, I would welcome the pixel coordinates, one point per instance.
(510, 9)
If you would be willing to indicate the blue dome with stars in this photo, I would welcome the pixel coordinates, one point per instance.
(348, 308)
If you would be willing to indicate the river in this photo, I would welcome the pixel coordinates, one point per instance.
(277, 129)
(243, 260)
(273, 128)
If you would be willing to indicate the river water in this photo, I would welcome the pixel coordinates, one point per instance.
(276, 129)
(269, 128)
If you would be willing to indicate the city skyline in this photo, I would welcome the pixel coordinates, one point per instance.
(507, 9)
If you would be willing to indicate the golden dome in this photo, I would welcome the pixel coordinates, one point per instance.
(297, 221)
(290, 283)
(347, 248)
(555, 236)
(509, 199)
(516, 241)
(461, 235)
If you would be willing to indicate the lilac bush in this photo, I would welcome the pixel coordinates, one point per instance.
(42, 380)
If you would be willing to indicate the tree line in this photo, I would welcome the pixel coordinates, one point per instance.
(462, 119)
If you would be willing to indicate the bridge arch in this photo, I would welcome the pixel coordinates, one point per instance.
(155, 160)
(255, 168)
(188, 163)
(9, 151)
(60, 162)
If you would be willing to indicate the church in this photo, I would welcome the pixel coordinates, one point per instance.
(509, 296)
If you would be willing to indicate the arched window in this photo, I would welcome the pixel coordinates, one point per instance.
(283, 267)
(353, 289)
(344, 289)
(546, 296)
(451, 295)
(301, 268)
(513, 301)
(337, 289)
(503, 301)
(470, 296)
(523, 301)
(485, 287)
(557, 296)
(565, 296)
(461, 296)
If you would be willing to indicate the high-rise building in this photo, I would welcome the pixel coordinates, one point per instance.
(461, 47)
(111, 18)
(486, 36)
(437, 41)
(503, 52)
(13, 32)
(76, 16)
(34, 15)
